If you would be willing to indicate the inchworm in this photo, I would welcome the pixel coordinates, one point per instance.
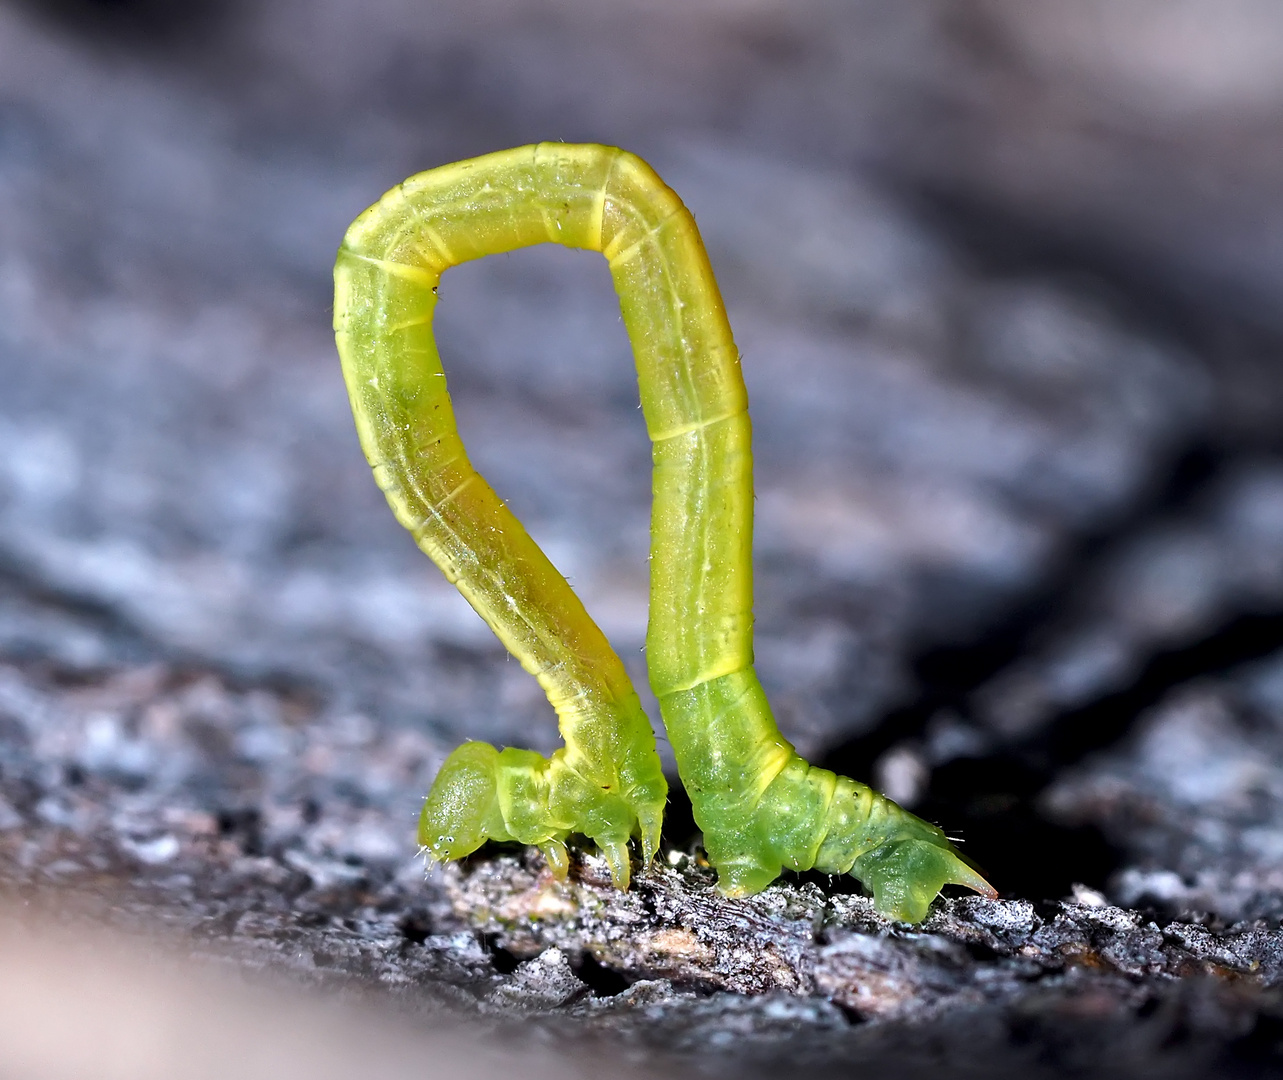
(760, 806)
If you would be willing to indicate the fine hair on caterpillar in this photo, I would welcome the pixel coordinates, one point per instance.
(761, 808)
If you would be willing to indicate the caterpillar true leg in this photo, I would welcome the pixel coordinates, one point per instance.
(761, 807)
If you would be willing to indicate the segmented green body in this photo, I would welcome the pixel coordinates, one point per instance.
(760, 806)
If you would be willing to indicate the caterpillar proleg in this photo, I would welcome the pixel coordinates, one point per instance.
(760, 806)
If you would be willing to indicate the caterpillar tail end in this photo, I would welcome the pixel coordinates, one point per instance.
(906, 875)
(808, 818)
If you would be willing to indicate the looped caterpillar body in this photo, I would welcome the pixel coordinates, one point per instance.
(760, 806)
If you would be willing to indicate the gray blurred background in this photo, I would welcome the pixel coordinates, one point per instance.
(1007, 276)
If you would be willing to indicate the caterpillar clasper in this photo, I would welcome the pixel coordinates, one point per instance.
(761, 807)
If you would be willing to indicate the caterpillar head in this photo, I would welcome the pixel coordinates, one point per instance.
(461, 811)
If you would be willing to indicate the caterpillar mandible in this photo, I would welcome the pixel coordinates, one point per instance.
(761, 807)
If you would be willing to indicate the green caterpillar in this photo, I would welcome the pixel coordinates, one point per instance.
(760, 806)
